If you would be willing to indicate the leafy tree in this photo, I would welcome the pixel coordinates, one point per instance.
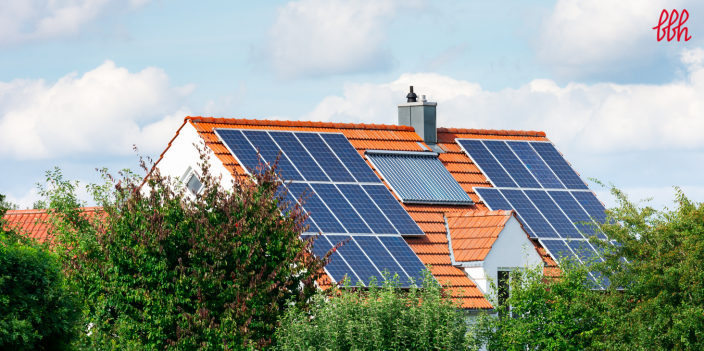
(543, 313)
(37, 311)
(661, 303)
(166, 268)
(386, 318)
(7, 205)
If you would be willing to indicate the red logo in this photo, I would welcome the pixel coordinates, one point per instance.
(669, 31)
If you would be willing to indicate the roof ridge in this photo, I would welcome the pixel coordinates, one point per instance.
(504, 213)
(491, 131)
(285, 123)
(43, 211)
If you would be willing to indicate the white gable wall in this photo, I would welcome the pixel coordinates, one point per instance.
(511, 250)
(183, 154)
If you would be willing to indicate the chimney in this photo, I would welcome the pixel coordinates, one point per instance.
(421, 116)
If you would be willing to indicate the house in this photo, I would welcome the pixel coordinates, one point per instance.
(472, 203)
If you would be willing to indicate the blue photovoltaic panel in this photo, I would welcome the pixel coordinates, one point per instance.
(559, 250)
(351, 158)
(292, 201)
(575, 213)
(337, 268)
(299, 156)
(326, 159)
(270, 151)
(511, 163)
(535, 165)
(590, 203)
(240, 146)
(381, 258)
(584, 251)
(405, 257)
(553, 214)
(540, 227)
(559, 165)
(393, 210)
(323, 218)
(495, 201)
(341, 208)
(419, 179)
(486, 161)
(367, 209)
(356, 259)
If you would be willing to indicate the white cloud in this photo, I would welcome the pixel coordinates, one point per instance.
(583, 38)
(323, 37)
(32, 20)
(103, 112)
(601, 118)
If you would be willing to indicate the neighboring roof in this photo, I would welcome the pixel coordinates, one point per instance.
(473, 233)
(433, 247)
(34, 222)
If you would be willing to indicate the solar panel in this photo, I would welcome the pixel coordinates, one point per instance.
(591, 204)
(326, 164)
(393, 210)
(381, 258)
(305, 164)
(483, 158)
(540, 227)
(553, 214)
(357, 259)
(535, 164)
(405, 257)
(367, 209)
(559, 165)
(341, 208)
(337, 268)
(575, 213)
(419, 178)
(319, 212)
(495, 201)
(511, 164)
(325, 157)
(350, 157)
(289, 197)
(270, 152)
(559, 250)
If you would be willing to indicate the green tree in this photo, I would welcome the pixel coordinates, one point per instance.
(37, 310)
(660, 305)
(165, 268)
(543, 313)
(385, 318)
(7, 205)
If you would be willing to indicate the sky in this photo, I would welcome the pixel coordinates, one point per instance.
(82, 81)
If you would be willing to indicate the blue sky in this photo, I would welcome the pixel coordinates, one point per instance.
(83, 80)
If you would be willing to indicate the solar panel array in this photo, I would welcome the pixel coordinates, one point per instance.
(363, 257)
(551, 200)
(344, 196)
(347, 202)
(419, 177)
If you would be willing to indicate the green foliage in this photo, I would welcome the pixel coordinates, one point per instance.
(6, 205)
(164, 268)
(661, 306)
(655, 300)
(37, 310)
(386, 318)
(544, 314)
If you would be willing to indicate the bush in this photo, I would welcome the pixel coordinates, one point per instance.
(386, 318)
(37, 311)
(166, 269)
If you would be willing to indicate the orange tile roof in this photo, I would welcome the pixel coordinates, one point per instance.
(433, 248)
(472, 234)
(34, 223)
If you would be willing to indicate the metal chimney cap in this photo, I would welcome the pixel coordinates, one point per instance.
(411, 97)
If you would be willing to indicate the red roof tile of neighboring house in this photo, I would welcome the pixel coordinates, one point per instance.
(34, 222)
(433, 247)
(473, 233)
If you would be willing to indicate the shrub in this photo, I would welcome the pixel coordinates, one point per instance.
(384, 318)
(37, 311)
(165, 268)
